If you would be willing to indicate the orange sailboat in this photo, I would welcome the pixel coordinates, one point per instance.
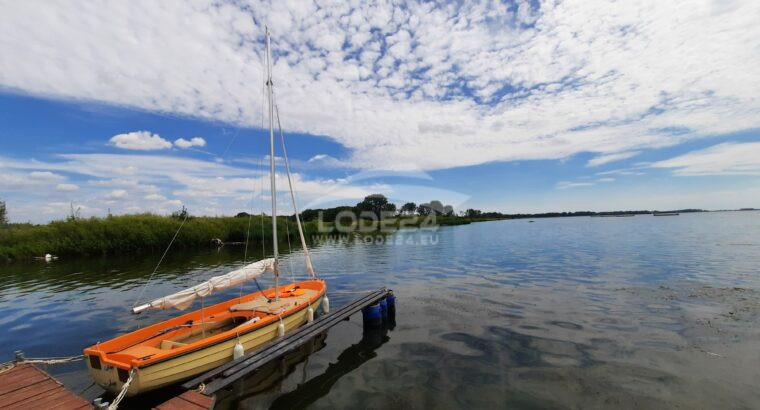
(177, 349)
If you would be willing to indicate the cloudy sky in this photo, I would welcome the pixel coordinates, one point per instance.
(518, 106)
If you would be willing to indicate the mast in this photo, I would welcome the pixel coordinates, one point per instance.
(271, 169)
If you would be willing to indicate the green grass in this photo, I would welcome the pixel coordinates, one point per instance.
(128, 234)
(134, 233)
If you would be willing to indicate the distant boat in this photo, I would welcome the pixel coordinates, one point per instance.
(665, 214)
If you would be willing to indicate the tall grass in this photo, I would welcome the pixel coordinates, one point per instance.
(136, 233)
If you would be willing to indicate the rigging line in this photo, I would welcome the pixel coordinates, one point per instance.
(309, 265)
(142, 290)
(247, 237)
(290, 251)
(287, 222)
(263, 236)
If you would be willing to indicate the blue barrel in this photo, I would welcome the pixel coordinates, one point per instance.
(384, 308)
(390, 300)
(372, 315)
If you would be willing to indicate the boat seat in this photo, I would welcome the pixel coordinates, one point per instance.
(167, 344)
(264, 307)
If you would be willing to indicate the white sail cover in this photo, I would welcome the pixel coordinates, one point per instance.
(184, 298)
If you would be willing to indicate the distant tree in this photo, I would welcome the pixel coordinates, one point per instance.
(3, 214)
(389, 208)
(374, 203)
(448, 210)
(242, 215)
(408, 208)
(436, 206)
(473, 213)
(424, 209)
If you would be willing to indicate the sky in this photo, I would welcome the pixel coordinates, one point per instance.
(517, 106)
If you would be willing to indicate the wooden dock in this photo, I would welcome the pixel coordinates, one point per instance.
(189, 400)
(227, 374)
(25, 386)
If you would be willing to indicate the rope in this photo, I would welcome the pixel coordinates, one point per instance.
(309, 266)
(53, 360)
(39, 360)
(115, 404)
(142, 290)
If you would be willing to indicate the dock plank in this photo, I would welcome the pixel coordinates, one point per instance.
(189, 400)
(26, 386)
(41, 389)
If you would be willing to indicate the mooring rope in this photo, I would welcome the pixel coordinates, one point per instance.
(115, 404)
(39, 360)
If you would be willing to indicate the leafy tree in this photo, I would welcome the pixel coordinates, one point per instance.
(3, 214)
(448, 210)
(374, 203)
(424, 209)
(473, 213)
(436, 206)
(408, 208)
(390, 208)
(242, 215)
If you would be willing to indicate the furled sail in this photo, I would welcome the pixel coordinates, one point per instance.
(184, 298)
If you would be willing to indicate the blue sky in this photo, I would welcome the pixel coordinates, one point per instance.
(514, 107)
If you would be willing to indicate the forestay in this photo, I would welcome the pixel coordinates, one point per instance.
(184, 298)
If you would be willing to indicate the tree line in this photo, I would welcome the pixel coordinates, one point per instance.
(377, 205)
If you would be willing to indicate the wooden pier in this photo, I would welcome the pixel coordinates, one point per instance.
(189, 400)
(26, 386)
(229, 373)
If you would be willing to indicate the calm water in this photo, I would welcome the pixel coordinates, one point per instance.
(652, 312)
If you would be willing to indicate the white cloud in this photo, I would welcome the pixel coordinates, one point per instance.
(159, 183)
(67, 187)
(140, 140)
(722, 159)
(193, 142)
(570, 184)
(605, 159)
(45, 176)
(155, 197)
(318, 157)
(117, 194)
(585, 76)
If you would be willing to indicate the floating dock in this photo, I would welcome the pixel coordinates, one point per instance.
(26, 386)
(225, 375)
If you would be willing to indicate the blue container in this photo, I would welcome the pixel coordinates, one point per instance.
(372, 315)
(390, 300)
(384, 308)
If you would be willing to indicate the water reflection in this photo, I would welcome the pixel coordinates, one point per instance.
(351, 358)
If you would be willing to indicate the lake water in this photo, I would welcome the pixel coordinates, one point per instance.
(638, 312)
